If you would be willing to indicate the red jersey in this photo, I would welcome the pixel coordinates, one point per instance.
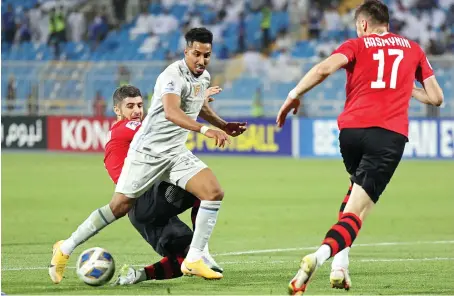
(381, 71)
(120, 136)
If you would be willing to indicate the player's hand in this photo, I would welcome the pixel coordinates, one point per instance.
(235, 129)
(212, 91)
(220, 137)
(289, 105)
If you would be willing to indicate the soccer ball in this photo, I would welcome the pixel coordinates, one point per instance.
(95, 266)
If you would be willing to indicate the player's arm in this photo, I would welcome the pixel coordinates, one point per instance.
(314, 77)
(173, 113)
(211, 117)
(320, 72)
(431, 94)
(231, 128)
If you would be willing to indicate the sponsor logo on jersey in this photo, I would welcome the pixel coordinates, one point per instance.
(132, 125)
(170, 86)
(196, 90)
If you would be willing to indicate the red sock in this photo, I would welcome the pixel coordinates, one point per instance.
(344, 202)
(343, 233)
(194, 211)
(167, 268)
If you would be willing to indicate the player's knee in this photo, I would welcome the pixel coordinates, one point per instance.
(216, 194)
(120, 205)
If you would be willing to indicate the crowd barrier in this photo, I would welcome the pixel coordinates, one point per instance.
(300, 137)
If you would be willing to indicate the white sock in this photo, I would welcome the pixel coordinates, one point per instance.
(97, 220)
(141, 276)
(323, 253)
(204, 225)
(340, 260)
(206, 250)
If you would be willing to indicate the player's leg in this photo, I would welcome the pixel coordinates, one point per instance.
(194, 211)
(382, 153)
(170, 240)
(205, 186)
(206, 252)
(339, 276)
(194, 176)
(351, 155)
(170, 201)
(137, 176)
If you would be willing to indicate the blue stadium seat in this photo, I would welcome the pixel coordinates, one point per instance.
(179, 11)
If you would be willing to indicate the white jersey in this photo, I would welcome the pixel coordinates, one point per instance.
(159, 136)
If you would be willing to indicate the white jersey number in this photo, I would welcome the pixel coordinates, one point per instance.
(380, 57)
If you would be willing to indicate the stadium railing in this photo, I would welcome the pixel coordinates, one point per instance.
(68, 88)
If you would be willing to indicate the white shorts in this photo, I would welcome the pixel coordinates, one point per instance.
(140, 171)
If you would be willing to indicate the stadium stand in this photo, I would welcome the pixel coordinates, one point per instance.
(87, 61)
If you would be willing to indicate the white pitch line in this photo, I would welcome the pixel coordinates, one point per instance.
(314, 248)
(295, 249)
(272, 262)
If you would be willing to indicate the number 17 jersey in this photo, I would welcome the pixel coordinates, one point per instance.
(381, 71)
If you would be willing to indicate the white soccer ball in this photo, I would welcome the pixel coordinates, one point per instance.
(95, 266)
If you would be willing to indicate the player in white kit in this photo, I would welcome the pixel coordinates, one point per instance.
(158, 152)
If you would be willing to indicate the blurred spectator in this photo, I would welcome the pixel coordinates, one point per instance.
(182, 42)
(8, 24)
(57, 29)
(445, 4)
(332, 22)
(242, 32)
(284, 64)
(348, 23)
(77, 26)
(232, 10)
(223, 52)
(150, 44)
(283, 40)
(217, 27)
(35, 17)
(23, 33)
(123, 75)
(315, 24)
(98, 30)
(256, 5)
(257, 104)
(120, 9)
(165, 23)
(32, 100)
(144, 23)
(99, 105)
(450, 17)
(254, 63)
(324, 49)
(450, 43)
(435, 48)
(280, 5)
(266, 24)
(11, 95)
(194, 20)
(426, 4)
(167, 4)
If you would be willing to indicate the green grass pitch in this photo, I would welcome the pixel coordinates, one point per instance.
(273, 212)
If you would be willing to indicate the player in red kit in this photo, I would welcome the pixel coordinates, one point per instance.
(155, 213)
(381, 69)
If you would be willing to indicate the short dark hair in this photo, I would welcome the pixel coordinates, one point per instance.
(376, 10)
(202, 35)
(124, 92)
